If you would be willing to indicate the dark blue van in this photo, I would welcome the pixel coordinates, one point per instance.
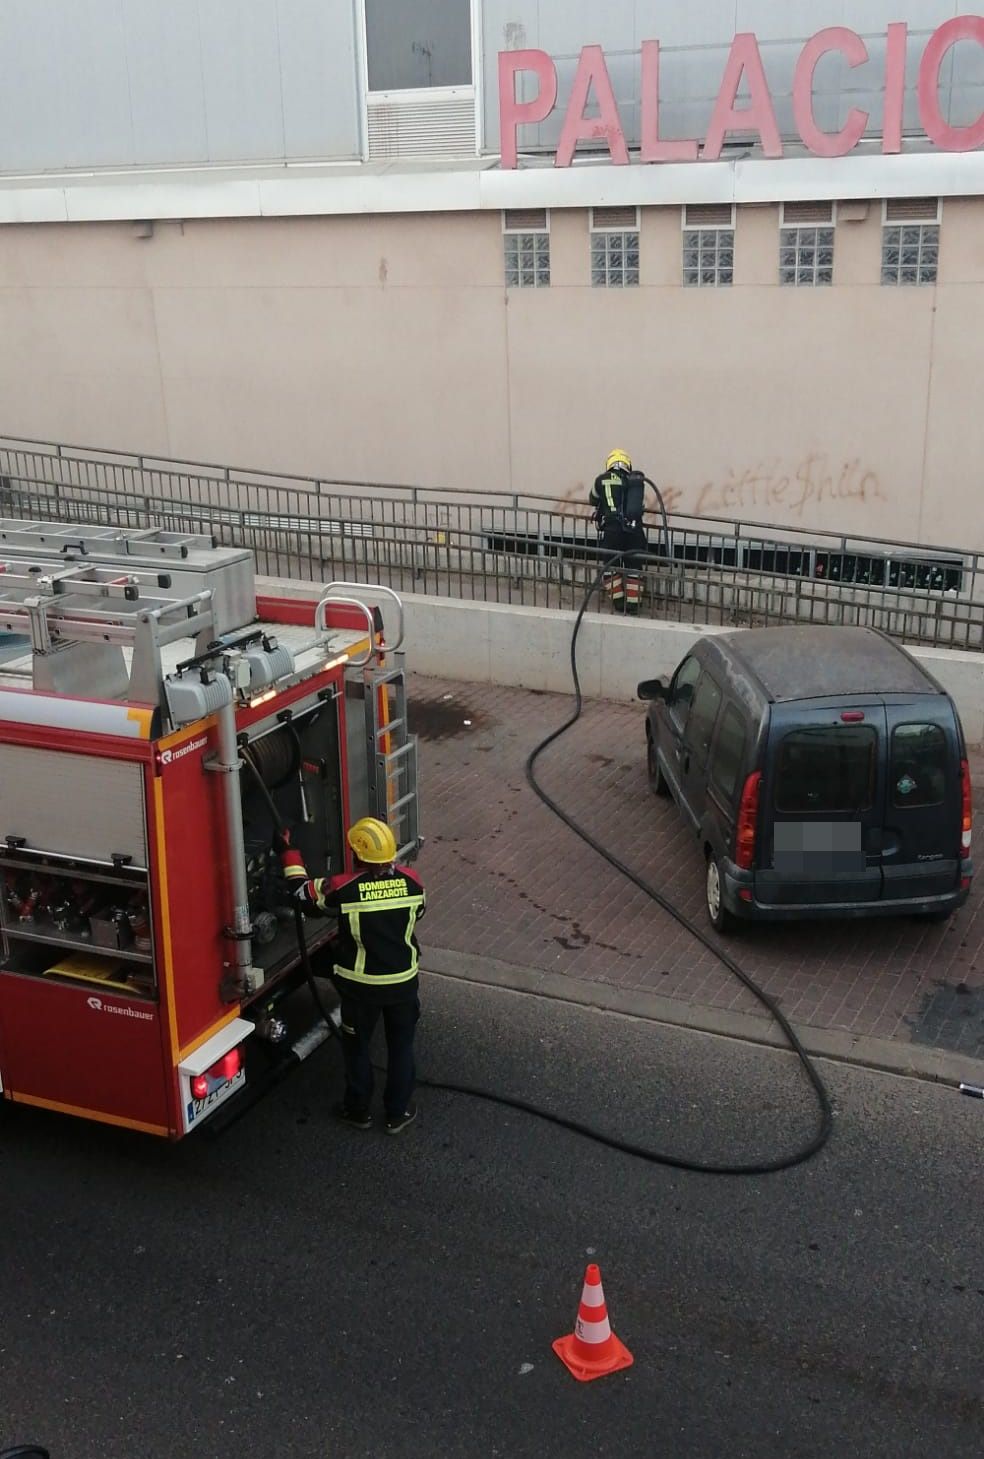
(822, 770)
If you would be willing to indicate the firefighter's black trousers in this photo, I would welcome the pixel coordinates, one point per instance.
(624, 579)
(359, 1019)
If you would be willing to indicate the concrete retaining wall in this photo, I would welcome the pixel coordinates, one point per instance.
(492, 643)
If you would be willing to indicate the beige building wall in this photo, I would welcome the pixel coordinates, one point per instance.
(386, 348)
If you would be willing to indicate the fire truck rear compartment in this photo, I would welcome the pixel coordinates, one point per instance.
(143, 954)
(299, 763)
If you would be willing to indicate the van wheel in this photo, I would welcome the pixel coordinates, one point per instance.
(717, 913)
(937, 915)
(657, 780)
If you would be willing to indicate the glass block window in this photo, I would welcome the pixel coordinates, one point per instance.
(708, 257)
(708, 244)
(526, 248)
(910, 253)
(615, 259)
(527, 260)
(806, 255)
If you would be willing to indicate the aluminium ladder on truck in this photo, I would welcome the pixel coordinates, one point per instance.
(144, 938)
(181, 563)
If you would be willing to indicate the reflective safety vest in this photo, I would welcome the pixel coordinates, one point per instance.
(620, 496)
(378, 910)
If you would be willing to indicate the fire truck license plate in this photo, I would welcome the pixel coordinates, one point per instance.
(197, 1109)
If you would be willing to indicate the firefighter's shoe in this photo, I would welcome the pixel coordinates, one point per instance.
(400, 1122)
(358, 1119)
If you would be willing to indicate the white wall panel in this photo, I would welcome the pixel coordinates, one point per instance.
(698, 22)
(922, 16)
(564, 29)
(94, 102)
(164, 56)
(121, 83)
(319, 76)
(30, 119)
(241, 72)
(64, 99)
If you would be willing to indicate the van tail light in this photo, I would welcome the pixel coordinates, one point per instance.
(966, 810)
(199, 1086)
(748, 821)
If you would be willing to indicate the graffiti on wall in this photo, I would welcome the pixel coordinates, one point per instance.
(814, 487)
(815, 481)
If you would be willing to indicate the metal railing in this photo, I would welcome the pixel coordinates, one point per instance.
(508, 548)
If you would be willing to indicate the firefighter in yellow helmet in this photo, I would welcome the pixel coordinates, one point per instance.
(618, 498)
(376, 959)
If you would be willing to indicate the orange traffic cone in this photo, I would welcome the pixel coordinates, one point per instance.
(592, 1349)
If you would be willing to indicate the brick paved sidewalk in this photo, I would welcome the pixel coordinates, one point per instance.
(508, 881)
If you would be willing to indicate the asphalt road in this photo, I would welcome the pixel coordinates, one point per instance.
(299, 1289)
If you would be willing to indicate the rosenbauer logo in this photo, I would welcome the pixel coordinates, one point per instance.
(167, 756)
(100, 1006)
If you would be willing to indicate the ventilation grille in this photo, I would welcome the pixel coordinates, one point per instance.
(793, 213)
(525, 220)
(912, 210)
(615, 220)
(708, 215)
(432, 127)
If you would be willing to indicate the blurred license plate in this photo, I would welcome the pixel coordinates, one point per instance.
(818, 848)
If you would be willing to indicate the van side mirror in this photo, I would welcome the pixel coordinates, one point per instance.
(652, 689)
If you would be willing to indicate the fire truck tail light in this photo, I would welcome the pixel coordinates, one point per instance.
(223, 1071)
(228, 1066)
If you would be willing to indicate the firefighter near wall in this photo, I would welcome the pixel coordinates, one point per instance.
(147, 941)
(618, 498)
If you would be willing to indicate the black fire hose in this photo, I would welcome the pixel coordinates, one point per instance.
(825, 1124)
(662, 512)
(654, 1157)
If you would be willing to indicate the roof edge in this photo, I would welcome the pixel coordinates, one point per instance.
(264, 192)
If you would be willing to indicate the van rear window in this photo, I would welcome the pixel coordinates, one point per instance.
(826, 769)
(918, 765)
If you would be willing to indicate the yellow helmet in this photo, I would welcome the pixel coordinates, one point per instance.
(618, 458)
(372, 841)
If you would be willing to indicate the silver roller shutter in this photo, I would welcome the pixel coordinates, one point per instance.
(72, 805)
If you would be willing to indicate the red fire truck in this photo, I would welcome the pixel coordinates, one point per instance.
(147, 949)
